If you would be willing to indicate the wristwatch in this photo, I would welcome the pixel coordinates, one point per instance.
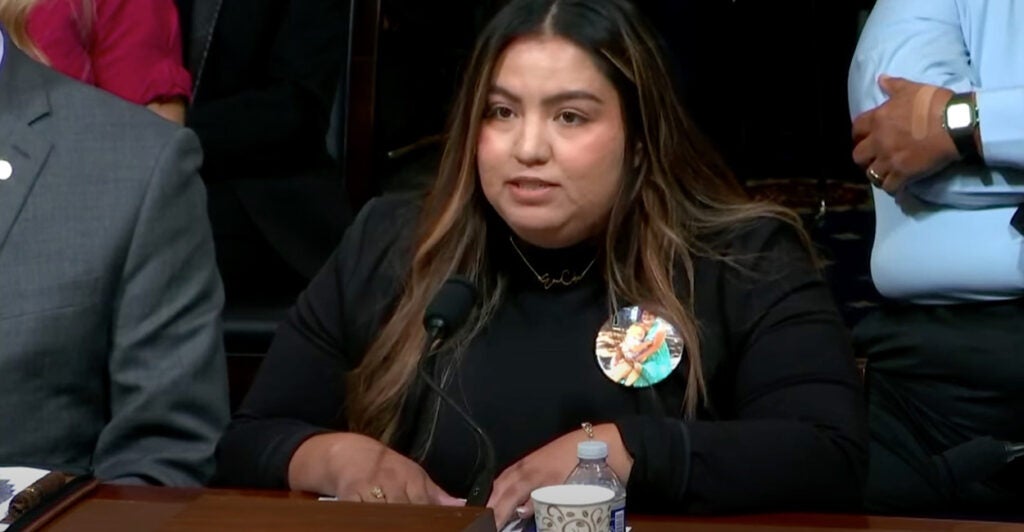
(960, 120)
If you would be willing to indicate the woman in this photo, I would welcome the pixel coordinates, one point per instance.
(643, 358)
(131, 48)
(654, 358)
(572, 185)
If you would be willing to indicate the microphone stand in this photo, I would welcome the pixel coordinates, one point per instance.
(481, 488)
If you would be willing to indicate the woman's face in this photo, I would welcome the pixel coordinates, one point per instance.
(551, 146)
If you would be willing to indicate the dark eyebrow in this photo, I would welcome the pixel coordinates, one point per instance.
(550, 100)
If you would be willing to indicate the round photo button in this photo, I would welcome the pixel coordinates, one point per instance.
(637, 348)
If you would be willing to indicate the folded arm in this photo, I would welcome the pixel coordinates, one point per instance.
(924, 41)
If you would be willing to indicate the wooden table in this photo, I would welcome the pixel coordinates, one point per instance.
(142, 509)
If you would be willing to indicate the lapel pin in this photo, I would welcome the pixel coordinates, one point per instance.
(5, 170)
(637, 348)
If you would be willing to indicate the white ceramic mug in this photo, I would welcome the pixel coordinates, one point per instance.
(572, 508)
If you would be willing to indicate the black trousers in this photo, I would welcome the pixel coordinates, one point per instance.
(945, 387)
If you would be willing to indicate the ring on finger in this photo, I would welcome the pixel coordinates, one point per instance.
(875, 178)
(378, 493)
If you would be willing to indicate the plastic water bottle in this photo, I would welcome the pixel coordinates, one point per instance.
(593, 469)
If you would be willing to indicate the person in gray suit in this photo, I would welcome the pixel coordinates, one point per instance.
(111, 357)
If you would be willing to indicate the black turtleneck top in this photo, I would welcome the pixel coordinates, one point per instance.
(782, 428)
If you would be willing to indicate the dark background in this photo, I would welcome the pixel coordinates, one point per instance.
(765, 79)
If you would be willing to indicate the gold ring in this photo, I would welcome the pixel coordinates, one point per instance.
(875, 179)
(377, 492)
(588, 428)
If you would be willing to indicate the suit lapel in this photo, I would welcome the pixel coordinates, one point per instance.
(23, 102)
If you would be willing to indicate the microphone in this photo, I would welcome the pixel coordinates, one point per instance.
(450, 308)
(976, 460)
(444, 315)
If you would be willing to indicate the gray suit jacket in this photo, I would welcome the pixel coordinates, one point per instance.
(111, 355)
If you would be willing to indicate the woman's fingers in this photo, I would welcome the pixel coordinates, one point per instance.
(398, 492)
(350, 496)
(511, 506)
(511, 490)
(375, 494)
(417, 491)
(437, 495)
(379, 475)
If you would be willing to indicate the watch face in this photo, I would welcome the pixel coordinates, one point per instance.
(958, 115)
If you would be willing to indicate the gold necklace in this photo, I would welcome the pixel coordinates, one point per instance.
(567, 278)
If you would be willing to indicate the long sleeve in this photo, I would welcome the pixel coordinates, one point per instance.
(130, 48)
(790, 431)
(168, 380)
(299, 391)
(917, 39)
(136, 51)
(961, 47)
(1001, 111)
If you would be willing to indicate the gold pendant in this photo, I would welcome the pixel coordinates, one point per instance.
(547, 281)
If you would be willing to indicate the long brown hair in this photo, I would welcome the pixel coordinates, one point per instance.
(678, 192)
(14, 17)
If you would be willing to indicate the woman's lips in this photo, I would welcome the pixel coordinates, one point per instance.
(530, 189)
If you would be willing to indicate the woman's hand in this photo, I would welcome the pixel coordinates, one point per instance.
(357, 468)
(550, 465)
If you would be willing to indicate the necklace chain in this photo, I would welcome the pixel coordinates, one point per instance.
(567, 278)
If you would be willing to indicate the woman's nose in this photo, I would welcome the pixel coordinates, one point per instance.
(532, 144)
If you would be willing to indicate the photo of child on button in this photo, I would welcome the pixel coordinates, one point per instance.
(638, 348)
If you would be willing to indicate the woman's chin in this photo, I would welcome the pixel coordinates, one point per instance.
(533, 225)
(546, 226)
(540, 237)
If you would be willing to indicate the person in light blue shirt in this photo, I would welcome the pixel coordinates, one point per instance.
(936, 93)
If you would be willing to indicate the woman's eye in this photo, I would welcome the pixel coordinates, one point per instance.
(570, 118)
(500, 112)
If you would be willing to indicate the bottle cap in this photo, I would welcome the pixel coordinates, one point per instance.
(592, 450)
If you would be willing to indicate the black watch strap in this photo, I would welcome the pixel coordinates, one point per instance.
(1018, 220)
(963, 137)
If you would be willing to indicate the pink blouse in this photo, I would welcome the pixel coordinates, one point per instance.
(131, 48)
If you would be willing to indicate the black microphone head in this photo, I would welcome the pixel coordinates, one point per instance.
(975, 460)
(450, 307)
